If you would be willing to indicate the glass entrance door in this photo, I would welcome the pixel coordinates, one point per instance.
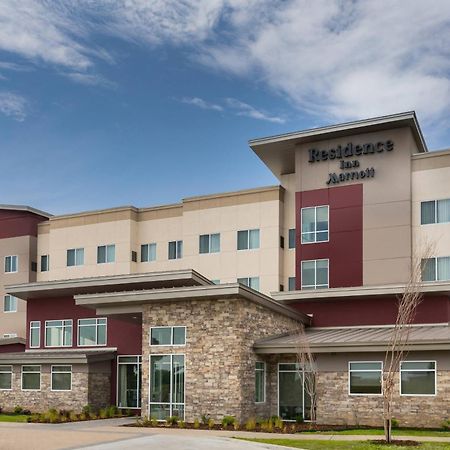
(129, 382)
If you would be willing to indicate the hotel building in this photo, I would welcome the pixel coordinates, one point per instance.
(195, 308)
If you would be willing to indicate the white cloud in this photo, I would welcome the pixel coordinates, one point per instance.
(200, 103)
(244, 109)
(13, 105)
(90, 79)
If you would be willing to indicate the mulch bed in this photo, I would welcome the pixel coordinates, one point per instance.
(398, 443)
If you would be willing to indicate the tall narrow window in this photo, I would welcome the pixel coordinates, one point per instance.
(167, 386)
(129, 381)
(31, 378)
(45, 260)
(6, 378)
(91, 332)
(75, 257)
(148, 252)
(61, 378)
(436, 269)
(9, 304)
(418, 378)
(260, 382)
(106, 254)
(291, 285)
(252, 282)
(365, 377)
(35, 334)
(11, 263)
(315, 274)
(248, 239)
(209, 243)
(314, 224)
(58, 333)
(175, 249)
(292, 238)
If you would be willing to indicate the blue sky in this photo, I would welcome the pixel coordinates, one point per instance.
(108, 102)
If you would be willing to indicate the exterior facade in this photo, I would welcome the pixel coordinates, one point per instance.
(197, 308)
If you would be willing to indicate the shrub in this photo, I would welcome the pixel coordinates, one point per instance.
(267, 426)
(18, 410)
(205, 419)
(236, 426)
(113, 411)
(196, 424)
(172, 420)
(103, 413)
(73, 417)
(211, 424)
(299, 418)
(181, 424)
(154, 421)
(250, 425)
(394, 423)
(446, 425)
(278, 423)
(228, 421)
(87, 409)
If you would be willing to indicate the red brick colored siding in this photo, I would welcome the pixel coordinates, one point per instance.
(18, 223)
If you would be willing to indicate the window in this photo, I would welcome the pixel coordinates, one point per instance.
(175, 249)
(133, 256)
(91, 332)
(33, 266)
(282, 242)
(129, 381)
(435, 211)
(247, 239)
(215, 281)
(61, 378)
(315, 274)
(58, 333)
(291, 284)
(314, 224)
(166, 386)
(292, 238)
(418, 378)
(35, 334)
(11, 263)
(365, 378)
(209, 243)
(31, 378)
(148, 252)
(5, 378)
(168, 336)
(251, 282)
(436, 269)
(260, 382)
(106, 254)
(75, 257)
(9, 304)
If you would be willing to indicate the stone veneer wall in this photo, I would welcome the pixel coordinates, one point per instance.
(219, 358)
(93, 388)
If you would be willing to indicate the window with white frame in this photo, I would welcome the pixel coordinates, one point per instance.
(61, 378)
(315, 274)
(75, 257)
(45, 263)
(9, 304)
(292, 238)
(418, 378)
(251, 282)
(148, 252)
(291, 283)
(11, 263)
(260, 382)
(435, 211)
(35, 334)
(92, 332)
(436, 269)
(6, 373)
(106, 254)
(58, 333)
(248, 239)
(167, 335)
(175, 249)
(167, 386)
(365, 378)
(209, 243)
(314, 224)
(31, 378)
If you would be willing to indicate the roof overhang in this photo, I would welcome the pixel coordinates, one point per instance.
(364, 292)
(278, 152)
(12, 341)
(133, 301)
(26, 208)
(58, 356)
(65, 288)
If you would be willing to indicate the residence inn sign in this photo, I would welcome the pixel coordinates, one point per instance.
(350, 151)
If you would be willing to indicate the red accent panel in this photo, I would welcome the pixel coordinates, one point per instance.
(380, 311)
(12, 348)
(345, 246)
(18, 223)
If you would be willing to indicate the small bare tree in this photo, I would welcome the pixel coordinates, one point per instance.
(307, 368)
(398, 345)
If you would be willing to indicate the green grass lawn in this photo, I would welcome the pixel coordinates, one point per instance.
(347, 445)
(13, 418)
(380, 432)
